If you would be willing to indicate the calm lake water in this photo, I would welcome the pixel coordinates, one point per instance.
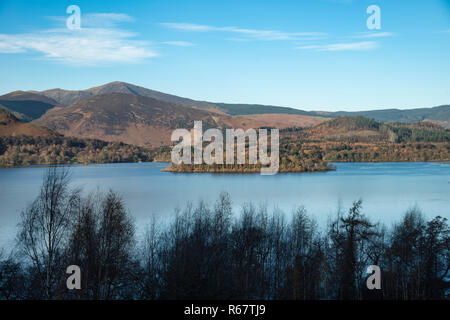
(387, 190)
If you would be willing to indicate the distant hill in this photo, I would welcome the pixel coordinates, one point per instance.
(26, 106)
(67, 97)
(440, 114)
(123, 117)
(124, 112)
(361, 129)
(11, 126)
(146, 121)
(247, 109)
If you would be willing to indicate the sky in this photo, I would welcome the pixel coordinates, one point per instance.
(305, 54)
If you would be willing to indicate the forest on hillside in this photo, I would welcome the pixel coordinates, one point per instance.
(16, 151)
(344, 139)
(209, 251)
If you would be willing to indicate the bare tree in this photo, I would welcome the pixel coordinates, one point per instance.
(45, 225)
(102, 244)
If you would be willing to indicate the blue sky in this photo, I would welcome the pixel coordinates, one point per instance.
(307, 54)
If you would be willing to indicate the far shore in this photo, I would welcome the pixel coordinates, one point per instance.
(255, 170)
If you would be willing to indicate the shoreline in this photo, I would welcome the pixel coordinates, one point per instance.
(444, 162)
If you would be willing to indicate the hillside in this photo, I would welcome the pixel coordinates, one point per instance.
(68, 97)
(352, 139)
(439, 115)
(11, 126)
(247, 109)
(26, 106)
(146, 121)
(22, 150)
(360, 129)
(125, 118)
(122, 112)
(347, 139)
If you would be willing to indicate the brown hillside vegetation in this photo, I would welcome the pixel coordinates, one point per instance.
(28, 95)
(351, 139)
(26, 106)
(279, 121)
(62, 97)
(145, 121)
(124, 118)
(68, 97)
(27, 150)
(360, 129)
(348, 139)
(11, 126)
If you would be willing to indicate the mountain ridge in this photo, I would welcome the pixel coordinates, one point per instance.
(147, 121)
(120, 111)
(438, 114)
(26, 105)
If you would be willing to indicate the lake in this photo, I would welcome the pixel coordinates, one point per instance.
(387, 190)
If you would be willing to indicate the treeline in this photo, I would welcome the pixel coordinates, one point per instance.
(358, 139)
(297, 159)
(360, 129)
(419, 132)
(208, 252)
(288, 163)
(26, 150)
(346, 139)
(367, 152)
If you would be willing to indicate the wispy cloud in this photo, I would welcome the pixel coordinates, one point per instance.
(262, 35)
(368, 35)
(98, 20)
(179, 43)
(85, 46)
(353, 46)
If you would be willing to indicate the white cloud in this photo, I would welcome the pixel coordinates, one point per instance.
(97, 20)
(354, 46)
(189, 27)
(263, 35)
(8, 47)
(98, 41)
(83, 46)
(363, 35)
(179, 43)
(104, 19)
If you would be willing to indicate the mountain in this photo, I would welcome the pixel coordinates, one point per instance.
(67, 97)
(11, 126)
(439, 115)
(26, 106)
(124, 112)
(126, 118)
(147, 121)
